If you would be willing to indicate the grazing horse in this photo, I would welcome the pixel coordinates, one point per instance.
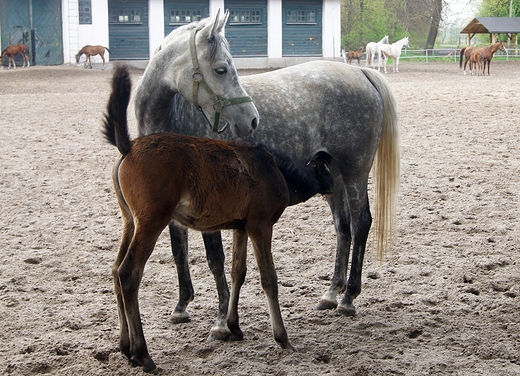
(487, 55)
(355, 55)
(394, 51)
(12, 51)
(206, 185)
(90, 51)
(374, 48)
(349, 112)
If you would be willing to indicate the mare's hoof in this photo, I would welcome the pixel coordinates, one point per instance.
(180, 317)
(347, 310)
(326, 304)
(218, 333)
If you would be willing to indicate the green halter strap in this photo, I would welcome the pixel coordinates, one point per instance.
(219, 103)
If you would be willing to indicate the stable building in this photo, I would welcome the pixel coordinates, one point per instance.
(261, 33)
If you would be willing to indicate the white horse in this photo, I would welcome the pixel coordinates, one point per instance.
(394, 51)
(374, 48)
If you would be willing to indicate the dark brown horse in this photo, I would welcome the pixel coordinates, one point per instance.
(206, 185)
(12, 51)
(89, 51)
(355, 55)
(487, 54)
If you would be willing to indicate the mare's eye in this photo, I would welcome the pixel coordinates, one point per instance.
(221, 71)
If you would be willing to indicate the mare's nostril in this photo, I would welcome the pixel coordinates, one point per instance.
(254, 123)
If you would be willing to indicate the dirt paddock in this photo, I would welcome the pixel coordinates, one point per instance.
(447, 303)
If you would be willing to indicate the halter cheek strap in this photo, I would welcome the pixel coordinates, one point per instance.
(219, 103)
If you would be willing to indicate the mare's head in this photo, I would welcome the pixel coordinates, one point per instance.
(195, 61)
(502, 47)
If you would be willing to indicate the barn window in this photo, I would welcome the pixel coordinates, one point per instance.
(301, 17)
(184, 16)
(244, 17)
(125, 16)
(85, 12)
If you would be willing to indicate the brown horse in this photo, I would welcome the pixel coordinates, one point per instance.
(206, 185)
(487, 54)
(355, 55)
(89, 51)
(12, 51)
(475, 63)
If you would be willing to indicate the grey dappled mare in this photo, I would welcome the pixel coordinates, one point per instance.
(194, 62)
(347, 112)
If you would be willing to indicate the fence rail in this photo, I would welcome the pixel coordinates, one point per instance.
(445, 54)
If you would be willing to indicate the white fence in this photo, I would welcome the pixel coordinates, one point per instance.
(439, 54)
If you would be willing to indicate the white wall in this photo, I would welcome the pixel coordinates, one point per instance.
(331, 29)
(155, 23)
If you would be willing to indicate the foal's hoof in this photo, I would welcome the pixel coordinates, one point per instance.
(219, 333)
(180, 317)
(326, 304)
(148, 365)
(287, 346)
(347, 309)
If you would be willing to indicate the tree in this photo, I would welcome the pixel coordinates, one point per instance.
(500, 8)
(364, 21)
(435, 21)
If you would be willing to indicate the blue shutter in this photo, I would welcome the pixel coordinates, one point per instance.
(249, 38)
(128, 29)
(302, 37)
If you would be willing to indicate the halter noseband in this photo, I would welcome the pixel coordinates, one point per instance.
(219, 103)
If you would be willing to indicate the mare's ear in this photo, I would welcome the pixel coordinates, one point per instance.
(223, 21)
(218, 23)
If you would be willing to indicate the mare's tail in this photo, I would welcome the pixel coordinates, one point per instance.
(115, 123)
(461, 56)
(387, 167)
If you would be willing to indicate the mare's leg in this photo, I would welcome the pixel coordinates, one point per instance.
(361, 220)
(340, 212)
(179, 241)
(216, 258)
(396, 63)
(352, 220)
(261, 239)
(238, 276)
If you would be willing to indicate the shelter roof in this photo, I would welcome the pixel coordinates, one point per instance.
(493, 25)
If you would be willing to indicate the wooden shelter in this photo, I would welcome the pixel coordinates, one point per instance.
(494, 26)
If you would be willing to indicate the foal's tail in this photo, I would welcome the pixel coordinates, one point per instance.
(106, 48)
(115, 123)
(386, 169)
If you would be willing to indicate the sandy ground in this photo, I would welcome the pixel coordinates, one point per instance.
(447, 303)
